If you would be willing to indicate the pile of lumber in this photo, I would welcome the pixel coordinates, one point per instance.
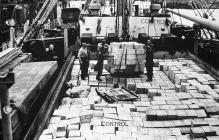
(126, 57)
(8, 55)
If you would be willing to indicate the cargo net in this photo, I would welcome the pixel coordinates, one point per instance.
(126, 59)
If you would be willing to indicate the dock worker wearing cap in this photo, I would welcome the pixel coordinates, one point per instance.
(149, 60)
(102, 48)
(51, 53)
(83, 60)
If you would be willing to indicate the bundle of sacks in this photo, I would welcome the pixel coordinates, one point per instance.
(78, 91)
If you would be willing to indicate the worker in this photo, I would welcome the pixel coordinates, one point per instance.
(149, 60)
(102, 48)
(51, 53)
(83, 60)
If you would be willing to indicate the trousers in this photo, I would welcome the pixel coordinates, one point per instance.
(99, 67)
(149, 72)
(84, 67)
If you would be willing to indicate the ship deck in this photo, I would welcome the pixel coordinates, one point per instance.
(180, 103)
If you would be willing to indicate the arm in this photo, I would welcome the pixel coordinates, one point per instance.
(98, 48)
(79, 56)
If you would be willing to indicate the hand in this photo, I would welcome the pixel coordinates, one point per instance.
(80, 61)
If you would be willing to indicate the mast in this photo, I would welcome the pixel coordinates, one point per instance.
(211, 24)
(125, 19)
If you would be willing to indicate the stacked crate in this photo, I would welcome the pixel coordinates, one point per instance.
(155, 88)
(126, 57)
(190, 111)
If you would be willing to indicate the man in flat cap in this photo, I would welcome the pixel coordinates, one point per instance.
(84, 60)
(101, 51)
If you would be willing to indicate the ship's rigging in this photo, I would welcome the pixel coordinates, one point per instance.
(39, 20)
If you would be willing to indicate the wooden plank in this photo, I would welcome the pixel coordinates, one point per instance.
(22, 58)
(47, 108)
(209, 130)
(212, 137)
(5, 52)
(8, 56)
(197, 132)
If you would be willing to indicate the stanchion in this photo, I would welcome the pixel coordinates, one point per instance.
(5, 82)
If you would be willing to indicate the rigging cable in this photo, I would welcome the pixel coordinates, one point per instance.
(211, 5)
(197, 15)
(209, 9)
(179, 14)
(197, 9)
(149, 26)
(155, 29)
(172, 13)
(213, 10)
(201, 6)
(34, 22)
(204, 5)
(193, 9)
(200, 16)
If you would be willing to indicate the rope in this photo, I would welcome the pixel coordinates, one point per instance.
(201, 6)
(209, 11)
(197, 10)
(44, 16)
(120, 65)
(155, 29)
(172, 13)
(193, 9)
(211, 5)
(213, 10)
(179, 13)
(204, 3)
(149, 26)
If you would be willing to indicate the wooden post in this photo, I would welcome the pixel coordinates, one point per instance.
(196, 42)
(12, 36)
(6, 113)
(67, 4)
(65, 41)
(26, 25)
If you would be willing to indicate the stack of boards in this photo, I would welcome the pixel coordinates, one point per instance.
(8, 55)
(11, 57)
(126, 57)
(115, 95)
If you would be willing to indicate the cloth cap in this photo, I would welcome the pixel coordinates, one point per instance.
(84, 44)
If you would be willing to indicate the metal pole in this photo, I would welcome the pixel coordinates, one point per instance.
(67, 4)
(211, 24)
(6, 113)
